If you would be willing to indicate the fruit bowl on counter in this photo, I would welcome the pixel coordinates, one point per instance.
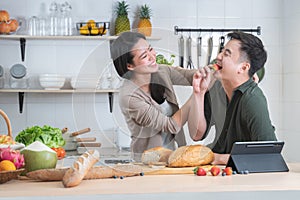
(52, 81)
(92, 27)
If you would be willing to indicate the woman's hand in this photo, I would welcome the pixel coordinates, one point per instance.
(201, 80)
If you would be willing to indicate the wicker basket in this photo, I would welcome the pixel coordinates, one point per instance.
(8, 175)
(3, 114)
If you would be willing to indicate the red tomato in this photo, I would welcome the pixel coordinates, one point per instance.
(60, 152)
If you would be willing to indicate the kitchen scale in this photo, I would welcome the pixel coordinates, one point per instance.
(262, 156)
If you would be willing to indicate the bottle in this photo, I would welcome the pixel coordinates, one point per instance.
(18, 77)
(1, 77)
(66, 19)
(53, 21)
(69, 18)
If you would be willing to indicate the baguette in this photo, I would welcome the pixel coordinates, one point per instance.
(80, 168)
(96, 172)
(191, 156)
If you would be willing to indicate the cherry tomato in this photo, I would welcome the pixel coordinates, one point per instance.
(60, 152)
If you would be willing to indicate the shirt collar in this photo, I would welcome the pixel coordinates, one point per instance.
(242, 88)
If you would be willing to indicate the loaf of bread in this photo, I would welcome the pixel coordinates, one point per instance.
(80, 168)
(155, 155)
(191, 156)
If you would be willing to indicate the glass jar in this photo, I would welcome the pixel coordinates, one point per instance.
(1, 77)
(18, 77)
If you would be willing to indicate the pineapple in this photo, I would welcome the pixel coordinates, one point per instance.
(144, 25)
(122, 23)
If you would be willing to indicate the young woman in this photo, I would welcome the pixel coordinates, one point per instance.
(147, 97)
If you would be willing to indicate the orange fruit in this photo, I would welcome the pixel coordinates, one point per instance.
(91, 23)
(7, 165)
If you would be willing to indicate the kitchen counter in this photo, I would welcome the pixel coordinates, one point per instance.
(252, 186)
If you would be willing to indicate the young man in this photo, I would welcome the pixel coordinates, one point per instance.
(235, 105)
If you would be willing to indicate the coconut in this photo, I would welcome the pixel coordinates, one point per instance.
(39, 156)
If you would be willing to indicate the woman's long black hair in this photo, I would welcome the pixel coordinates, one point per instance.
(121, 55)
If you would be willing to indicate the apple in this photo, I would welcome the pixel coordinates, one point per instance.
(4, 16)
(199, 171)
(13, 25)
(4, 28)
(228, 171)
(215, 171)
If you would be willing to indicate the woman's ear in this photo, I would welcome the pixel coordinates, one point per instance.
(130, 67)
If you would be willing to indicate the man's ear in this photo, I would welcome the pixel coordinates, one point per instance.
(245, 67)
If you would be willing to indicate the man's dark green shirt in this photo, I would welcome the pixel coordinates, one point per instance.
(244, 118)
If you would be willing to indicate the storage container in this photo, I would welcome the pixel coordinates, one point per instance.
(18, 77)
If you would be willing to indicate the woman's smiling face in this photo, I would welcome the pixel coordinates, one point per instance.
(144, 60)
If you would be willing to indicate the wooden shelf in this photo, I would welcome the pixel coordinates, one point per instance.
(59, 91)
(72, 37)
(21, 94)
(23, 38)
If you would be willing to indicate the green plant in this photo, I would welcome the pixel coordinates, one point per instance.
(160, 59)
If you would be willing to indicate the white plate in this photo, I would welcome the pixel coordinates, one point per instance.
(16, 146)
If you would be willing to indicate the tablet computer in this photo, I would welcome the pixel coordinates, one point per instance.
(258, 156)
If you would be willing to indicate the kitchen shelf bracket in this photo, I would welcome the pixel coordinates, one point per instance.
(22, 46)
(21, 101)
(111, 101)
(176, 30)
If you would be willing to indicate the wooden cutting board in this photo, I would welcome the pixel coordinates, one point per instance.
(171, 170)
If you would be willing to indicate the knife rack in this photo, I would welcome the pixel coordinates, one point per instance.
(200, 30)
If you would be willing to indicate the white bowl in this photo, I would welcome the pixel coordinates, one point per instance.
(84, 83)
(52, 81)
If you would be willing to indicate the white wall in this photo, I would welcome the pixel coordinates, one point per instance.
(68, 57)
(290, 77)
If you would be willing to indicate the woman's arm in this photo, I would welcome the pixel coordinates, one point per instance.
(193, 110)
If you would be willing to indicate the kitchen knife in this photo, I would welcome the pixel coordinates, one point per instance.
(181, 51)
(199, 46)
(209, 49)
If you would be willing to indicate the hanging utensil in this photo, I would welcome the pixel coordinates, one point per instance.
(209, 49)
(222, 42)
(189, 52)
(199, 47)
(181, 51)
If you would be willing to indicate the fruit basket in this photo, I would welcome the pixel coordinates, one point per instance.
(11, 174)
(92, 28)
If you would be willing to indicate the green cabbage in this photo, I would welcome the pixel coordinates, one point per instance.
(52, 137)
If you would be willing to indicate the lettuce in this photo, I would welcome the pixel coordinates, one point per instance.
(52, 137)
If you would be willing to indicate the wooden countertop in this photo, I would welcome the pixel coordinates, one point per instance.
(158, 184)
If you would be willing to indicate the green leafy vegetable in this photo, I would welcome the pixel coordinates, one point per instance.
(160, 59)
(52, 137)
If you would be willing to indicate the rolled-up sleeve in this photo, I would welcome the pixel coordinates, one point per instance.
(146, 114)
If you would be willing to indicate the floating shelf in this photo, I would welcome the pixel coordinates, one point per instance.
(21, 94)
(23, 38)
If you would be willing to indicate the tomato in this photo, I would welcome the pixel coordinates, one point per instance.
(61, 153)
